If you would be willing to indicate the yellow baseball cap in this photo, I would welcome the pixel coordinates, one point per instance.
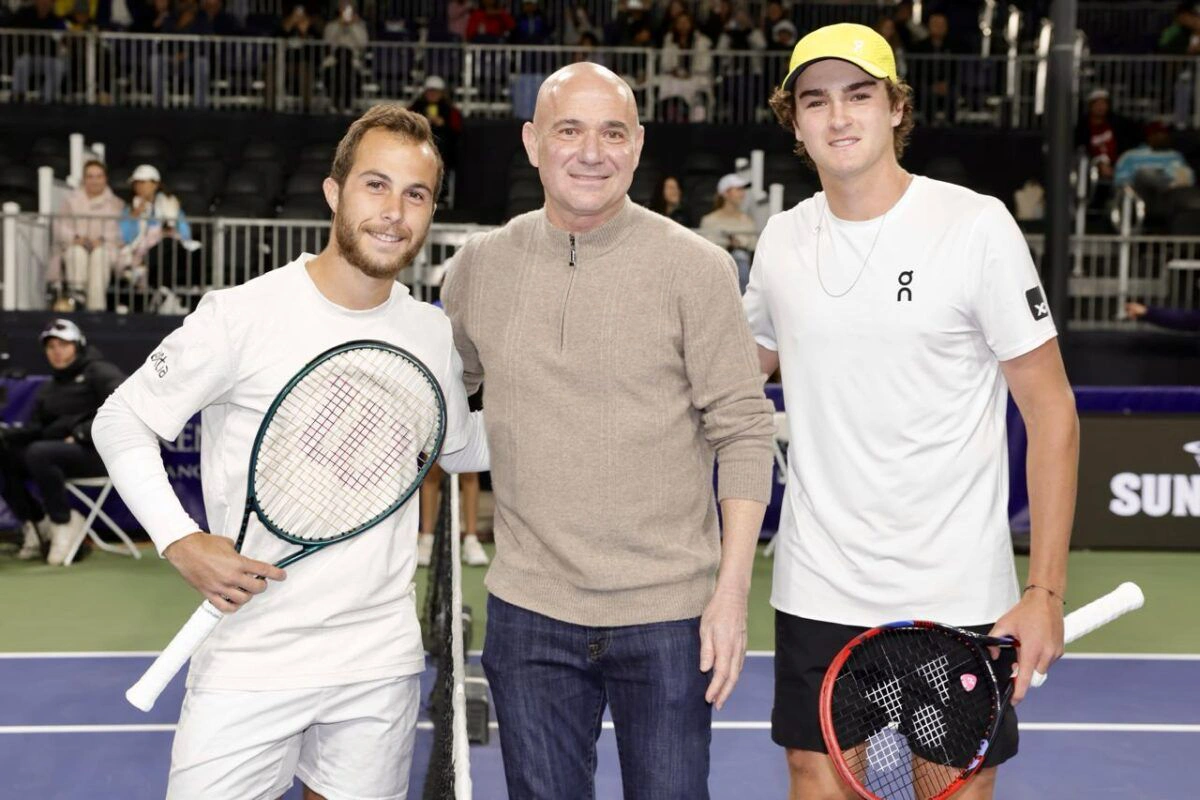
(858, 44)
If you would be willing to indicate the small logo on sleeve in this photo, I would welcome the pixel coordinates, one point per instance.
(1037, 303)
(158, 362)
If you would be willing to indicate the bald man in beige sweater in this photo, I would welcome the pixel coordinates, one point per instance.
(619, 366)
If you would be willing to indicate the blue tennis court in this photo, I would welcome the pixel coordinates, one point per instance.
(1120, 726)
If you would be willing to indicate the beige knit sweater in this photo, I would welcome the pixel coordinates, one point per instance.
(617, 364)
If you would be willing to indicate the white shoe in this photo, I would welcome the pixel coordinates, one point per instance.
(32, 547)
(424, 549)
(65, 539)
(472, 552)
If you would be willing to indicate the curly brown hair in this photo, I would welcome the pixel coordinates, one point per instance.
(783, 103)
(408, 125)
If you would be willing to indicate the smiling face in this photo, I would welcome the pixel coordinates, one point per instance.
(585, 141)
(844, 119)
(383, 208)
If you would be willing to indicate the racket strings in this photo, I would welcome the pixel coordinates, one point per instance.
(911, 709)
(345, 442)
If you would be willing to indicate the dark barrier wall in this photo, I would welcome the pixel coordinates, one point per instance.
(1094, 358)
(995, 162)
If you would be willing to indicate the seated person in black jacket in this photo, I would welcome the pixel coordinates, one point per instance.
(55, 444)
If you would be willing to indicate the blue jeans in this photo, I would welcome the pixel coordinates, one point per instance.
(551, 681)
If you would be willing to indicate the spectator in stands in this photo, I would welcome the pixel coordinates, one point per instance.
(489, 24)
(216, 21)
(666, 23)
(156, 234)
(55, 444)
(668, 201)
(886, 27)
(531, 26)
(773, 14)
(934, 79)
(1153, 167)
(729, 226)
(39, 55)
(444, 118)
(1177, 319)
(457, 14)
(586, 49)
(783, 37)
(87, 238)
(632, 27)
(907, 27)
(1182, 36)
(686, 66)
(577, 22)
(300, 28)
(151, 16)
(720, 12)
(1102, 134)
(347, 39)
(741, 74)
(81, 19)
(178, 62)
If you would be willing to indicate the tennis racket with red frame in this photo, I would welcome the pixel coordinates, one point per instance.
(909, 709)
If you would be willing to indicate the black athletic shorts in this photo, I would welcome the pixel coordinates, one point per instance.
(803, 650)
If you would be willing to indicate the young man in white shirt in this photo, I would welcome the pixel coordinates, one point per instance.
(318, 677)
(901, 310)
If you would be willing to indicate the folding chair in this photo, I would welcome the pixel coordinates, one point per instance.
(96, 511)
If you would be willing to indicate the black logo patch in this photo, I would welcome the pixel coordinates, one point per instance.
(1037, 303)
(905, 280)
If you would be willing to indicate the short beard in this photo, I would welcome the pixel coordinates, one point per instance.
(349, 246)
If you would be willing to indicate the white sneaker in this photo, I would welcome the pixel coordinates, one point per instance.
(424, 549)
(32, 547)
(472, 552)
(65, 538)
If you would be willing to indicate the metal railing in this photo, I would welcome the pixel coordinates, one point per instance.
(1108, 270)
(168, 274)
(501, 81)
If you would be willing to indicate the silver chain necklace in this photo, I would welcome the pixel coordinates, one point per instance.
(861, 270)
(875, 241)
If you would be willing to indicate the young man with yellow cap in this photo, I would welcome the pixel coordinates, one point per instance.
(901, 311)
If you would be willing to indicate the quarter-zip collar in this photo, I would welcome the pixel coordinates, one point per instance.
(593, 244)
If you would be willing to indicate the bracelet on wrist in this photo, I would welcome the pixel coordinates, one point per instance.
(1048, 591)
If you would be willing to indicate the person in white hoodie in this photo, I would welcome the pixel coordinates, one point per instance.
(87, 239)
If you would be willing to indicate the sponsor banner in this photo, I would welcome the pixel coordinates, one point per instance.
(181, 457)
(1139, 481)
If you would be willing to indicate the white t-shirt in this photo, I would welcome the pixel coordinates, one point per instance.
(897, 489)
(345, 614)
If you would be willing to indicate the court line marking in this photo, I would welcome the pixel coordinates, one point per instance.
(1074, 727)
(749, 654)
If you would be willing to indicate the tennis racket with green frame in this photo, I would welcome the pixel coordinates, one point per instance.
(345, 443)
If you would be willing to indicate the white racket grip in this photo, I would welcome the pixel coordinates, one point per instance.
(143, 693)
(1101, 611)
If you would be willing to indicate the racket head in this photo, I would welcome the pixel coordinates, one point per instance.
(345, 443)
(910, 708)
